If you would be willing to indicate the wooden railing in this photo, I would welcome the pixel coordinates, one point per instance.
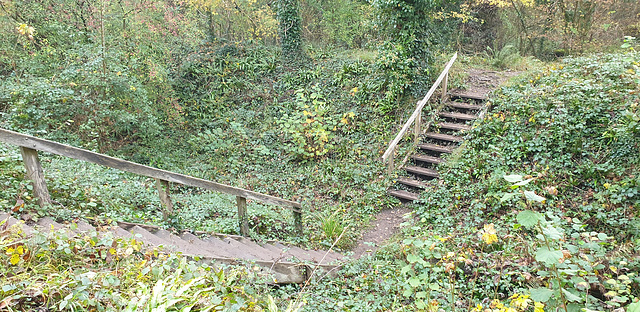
(29, 147)
(416, 117)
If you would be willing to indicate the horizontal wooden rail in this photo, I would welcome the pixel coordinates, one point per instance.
(30, 144)
(417, 113)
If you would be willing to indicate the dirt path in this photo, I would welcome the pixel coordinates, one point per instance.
(482, 81)
(387, 222)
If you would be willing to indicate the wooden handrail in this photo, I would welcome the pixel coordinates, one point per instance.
(417, 113)
(29, 145)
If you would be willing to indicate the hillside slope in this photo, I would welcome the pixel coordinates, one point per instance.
(538, 210)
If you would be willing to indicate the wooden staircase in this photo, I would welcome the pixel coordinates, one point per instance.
(286, 263)
(448, 131)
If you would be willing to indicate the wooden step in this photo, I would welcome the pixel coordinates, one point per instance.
(269, 257)
(403, 194)
(459, 116)
(444, 137)
(435, 148)
(454, 126)
(412, 182)
(466, 95)
(427, 159)
(422, 171)
(464, 106)
(7, 221)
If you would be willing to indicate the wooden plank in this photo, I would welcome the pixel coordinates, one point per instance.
(422, 171)
(36, 175)
(412, 183)
(464, 106)
(418, 110)
(458, 116)
(28, 141)
(444, 137)
(165, 200)
(242, 215)
(427, 159)
(435, 148)
(472, 96)
(403, 194)
(454, 126)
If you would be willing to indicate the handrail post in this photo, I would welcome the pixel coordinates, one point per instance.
(165, 200)
(445, 81)
(242, 215)
(418, 125)
(390, 164)
(297, 219)
(36, 175)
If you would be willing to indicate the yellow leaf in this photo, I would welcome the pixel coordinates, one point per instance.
(112, 251)
(10, 251)
(20, 250)
(15, 258)
(488, 234)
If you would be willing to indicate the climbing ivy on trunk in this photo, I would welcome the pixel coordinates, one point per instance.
(412, 30)
(289, 29)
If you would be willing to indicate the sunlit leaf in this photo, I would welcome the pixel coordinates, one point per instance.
(541, 294)
(548, 256)
(513, 178)
(532, 196)
(529, 218)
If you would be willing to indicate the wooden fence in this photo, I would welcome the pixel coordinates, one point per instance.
(29, 147)
(416, 117)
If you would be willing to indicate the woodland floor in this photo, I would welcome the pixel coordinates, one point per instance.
(388, 221)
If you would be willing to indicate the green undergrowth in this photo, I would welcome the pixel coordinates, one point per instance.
(97, 272)
(311, 133)
(538, 211)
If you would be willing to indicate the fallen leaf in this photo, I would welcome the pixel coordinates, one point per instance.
(19, 204)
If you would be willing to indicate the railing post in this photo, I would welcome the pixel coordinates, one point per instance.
(165, 200)
(36, 175)
(242, 215)
(297, 219)
(390, 164)
(418, 125)
(444, 86)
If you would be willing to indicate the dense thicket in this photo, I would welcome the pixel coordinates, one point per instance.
(538, 210)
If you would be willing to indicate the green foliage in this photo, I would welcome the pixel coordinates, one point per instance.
(563, 125)
(507, 56)
(55, 271)
(572, 264)
(629, 43)
(311, 127)
(413, 32)
(344, 23)
(289, 29)
(332, 227)
(489, 236)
